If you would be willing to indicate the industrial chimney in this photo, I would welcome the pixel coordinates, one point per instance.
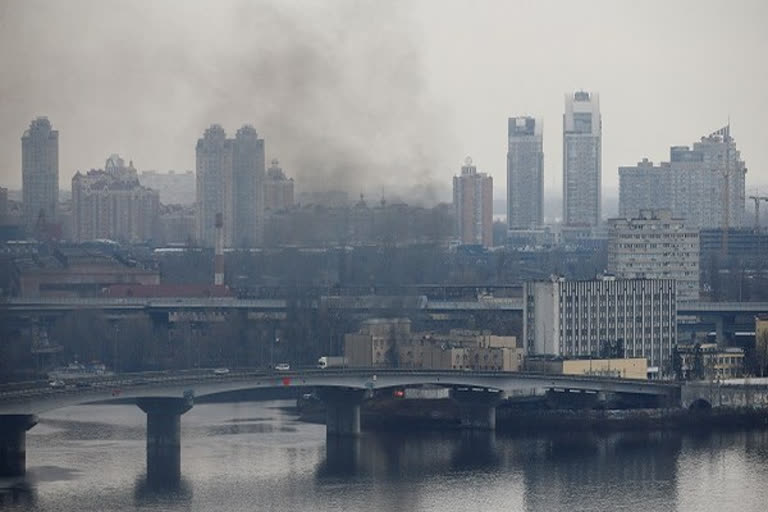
(218, 261)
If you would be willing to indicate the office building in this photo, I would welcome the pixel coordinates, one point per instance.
(582, 159)
(374, 344)
(40, 173)
(230, 181)
(473, 206)
(173, 187)
(655, 245)
(698, 184)
(278, 190)
(525, 173)
(603, 318)
(111, 204)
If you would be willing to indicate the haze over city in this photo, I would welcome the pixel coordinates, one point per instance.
(407, 255)
(379, 97)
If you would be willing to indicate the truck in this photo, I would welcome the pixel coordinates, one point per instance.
(331, 362)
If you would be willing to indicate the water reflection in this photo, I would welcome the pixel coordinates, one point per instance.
(174, 491)
(241, 457)
(17, 493)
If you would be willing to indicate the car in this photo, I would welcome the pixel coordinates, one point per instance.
(282, 367)
(56, 384)
(221, 371)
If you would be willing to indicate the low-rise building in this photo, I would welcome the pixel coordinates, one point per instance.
(705, 361)
(374, 344)
(389, 342)
(78, 272)
(632, 368)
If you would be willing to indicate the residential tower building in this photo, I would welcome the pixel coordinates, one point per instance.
(525, 173)
(473, 205)
(582, 159)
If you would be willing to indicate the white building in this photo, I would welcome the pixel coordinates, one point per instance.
(698, 184)
(582, 159)
(635, 317)
(655, 245)
(525, 173)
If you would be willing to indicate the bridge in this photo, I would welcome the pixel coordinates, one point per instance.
(165, 397)
(421, 302)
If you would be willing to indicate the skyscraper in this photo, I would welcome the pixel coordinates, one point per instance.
(473, 205)
(525, 173)
(582, 161)
(40, 173)
(230, 181)
(214, 172)
(247, 194)
(693, 184)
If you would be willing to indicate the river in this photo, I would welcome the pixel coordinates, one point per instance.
(256, 456)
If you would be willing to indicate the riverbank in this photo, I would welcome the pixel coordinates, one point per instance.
(396, 415)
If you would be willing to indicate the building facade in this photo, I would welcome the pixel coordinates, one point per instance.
(582, 159)
(525, 173)
(111, 204)
(40, 173)
(698, 184)
(473, 205)
(655, 245)
(247, 191)
(230, 181)
(173, 187)
(278, 190)
(213, 182)
(603, 318)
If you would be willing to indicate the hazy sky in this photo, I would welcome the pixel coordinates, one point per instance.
(379, 95)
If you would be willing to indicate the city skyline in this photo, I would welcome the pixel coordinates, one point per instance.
(459, 108)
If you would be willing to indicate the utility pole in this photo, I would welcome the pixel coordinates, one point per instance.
(757, 200)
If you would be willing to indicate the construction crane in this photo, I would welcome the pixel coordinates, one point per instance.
(757, 200)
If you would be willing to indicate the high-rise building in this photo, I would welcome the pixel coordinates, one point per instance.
(3, 205)
(40, 173)
(230, 181)
(698, 184)
(582, 159)
(525, 173)
(278, 190)
(111, 204)
(605, 317)
(173, 187)
(655, 245)
(214, 173)
(247, 191)
(473, 205)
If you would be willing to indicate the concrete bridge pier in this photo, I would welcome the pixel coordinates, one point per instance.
(164, 438)
(13, 443)
(477, 408)
(342, 408)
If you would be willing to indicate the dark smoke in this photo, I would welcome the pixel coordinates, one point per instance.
(337, 91)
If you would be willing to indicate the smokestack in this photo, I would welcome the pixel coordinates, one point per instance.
(218, 260)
